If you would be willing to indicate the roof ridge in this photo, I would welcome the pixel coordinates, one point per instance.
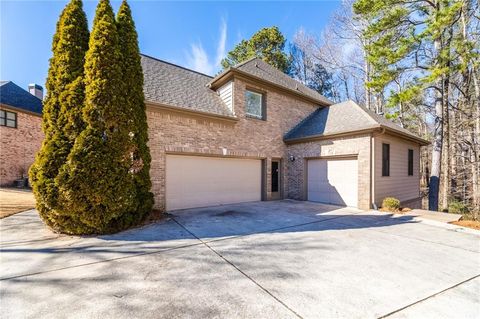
(364, 111)
(175, 65)
(246, 61)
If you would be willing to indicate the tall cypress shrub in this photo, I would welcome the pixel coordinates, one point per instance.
(134, 100)
(96, 187)
(62, 118)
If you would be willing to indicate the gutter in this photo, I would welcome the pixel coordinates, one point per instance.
(17, 109)
(178, 109)
(232, 71)
(372, 167)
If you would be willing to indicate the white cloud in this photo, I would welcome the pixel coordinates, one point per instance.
(198, 59)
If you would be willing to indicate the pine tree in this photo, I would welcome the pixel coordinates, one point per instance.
(62, 119)
(134, 100)
(96, 187)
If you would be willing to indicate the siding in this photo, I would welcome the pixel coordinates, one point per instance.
(226, 94)
(398, 184)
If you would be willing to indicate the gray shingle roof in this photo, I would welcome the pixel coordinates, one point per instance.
(13, 95)
(173, 85)
(342, 118)
(262, 70)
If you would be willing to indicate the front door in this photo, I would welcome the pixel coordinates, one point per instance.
(275, 180)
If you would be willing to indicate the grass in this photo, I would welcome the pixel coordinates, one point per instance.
(14, 201)
(475, 224)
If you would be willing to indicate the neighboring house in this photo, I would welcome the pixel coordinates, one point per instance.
(253, 133)
(20, 129)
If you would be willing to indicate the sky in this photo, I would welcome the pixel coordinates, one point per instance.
(196, 35)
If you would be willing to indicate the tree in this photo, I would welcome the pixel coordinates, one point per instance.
(134, 101)
(267, 44)
(304, 69)
(96, 189)
(411, 42)
(62, 113)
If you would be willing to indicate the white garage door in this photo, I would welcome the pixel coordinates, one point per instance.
(194, 181)
(333, 181)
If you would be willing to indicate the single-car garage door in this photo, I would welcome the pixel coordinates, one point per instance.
(195, 181)
(333, 181)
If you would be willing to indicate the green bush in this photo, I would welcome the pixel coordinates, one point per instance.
(391, 203)
(457, 207)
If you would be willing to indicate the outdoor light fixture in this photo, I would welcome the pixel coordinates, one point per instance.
(291, 158)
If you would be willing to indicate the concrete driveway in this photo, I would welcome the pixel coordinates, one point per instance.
(282, 259)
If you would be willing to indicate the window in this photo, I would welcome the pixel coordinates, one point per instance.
(8, 119)
(410, 162)
(385, 159)
(255, 104)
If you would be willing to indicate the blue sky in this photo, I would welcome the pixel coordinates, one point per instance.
(192, 34)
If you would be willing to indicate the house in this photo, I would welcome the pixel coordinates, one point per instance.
(253, 133)
(20, 129)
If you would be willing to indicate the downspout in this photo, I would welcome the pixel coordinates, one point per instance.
(372, 167)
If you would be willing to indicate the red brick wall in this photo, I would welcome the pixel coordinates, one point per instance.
(171, 131)
(18, 146)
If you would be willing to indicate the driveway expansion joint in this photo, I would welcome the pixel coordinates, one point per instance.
(429, 297)
(240, 271)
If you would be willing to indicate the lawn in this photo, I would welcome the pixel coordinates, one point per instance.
(14, 201)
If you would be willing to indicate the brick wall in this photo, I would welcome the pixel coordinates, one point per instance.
(19, 146)
(358, 146)
(172, 131)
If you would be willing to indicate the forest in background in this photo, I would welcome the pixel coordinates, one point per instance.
(416, 63)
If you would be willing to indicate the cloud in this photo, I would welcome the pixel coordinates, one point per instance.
(198, 59)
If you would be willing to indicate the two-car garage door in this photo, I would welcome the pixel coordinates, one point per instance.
(333, 181)
(196, 181)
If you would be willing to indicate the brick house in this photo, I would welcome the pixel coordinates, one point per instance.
(252, 133)
(20, 129)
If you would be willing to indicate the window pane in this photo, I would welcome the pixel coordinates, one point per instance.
(2, 114)
(410, 162)
(11, 123)
(385, 159)
(11, 116)
(2, 121)
(254, 104)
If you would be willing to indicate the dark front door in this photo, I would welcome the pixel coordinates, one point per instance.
(275, 180)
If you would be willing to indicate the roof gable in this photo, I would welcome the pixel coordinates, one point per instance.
(262, 71)
(13, 95)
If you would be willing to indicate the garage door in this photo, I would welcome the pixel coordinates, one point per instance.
(333, 181)
(194, 181)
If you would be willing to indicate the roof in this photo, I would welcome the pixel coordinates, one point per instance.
(343, 118)
(263, 71)
(172, 85)
(13, 95)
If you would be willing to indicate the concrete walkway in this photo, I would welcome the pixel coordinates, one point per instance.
(282, 259)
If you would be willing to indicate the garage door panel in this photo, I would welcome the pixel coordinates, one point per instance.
(195, 181)
(333, 181)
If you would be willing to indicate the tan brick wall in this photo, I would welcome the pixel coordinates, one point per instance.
(358, 146)
(172, 131)
(19, 146)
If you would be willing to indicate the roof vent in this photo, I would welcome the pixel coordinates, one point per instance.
(296, 86)
(256, 64)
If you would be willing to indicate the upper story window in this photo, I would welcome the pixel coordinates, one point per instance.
(255, 104)
(385, 159)
(410, 162)
(8, 118)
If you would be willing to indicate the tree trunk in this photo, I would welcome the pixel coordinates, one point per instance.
(437, 141)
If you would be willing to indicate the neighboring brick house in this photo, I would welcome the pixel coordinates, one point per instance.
(253, 133)
(20, 130)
